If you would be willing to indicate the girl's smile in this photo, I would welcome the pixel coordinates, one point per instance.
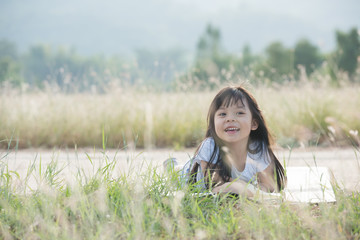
(232, 129)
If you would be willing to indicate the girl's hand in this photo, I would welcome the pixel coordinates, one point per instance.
(247, 190)
(238, 187)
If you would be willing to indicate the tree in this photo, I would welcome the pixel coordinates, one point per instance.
(212, 64)
(8, 49)
(307, 55)
(247, 57)
(279, 58)
(348, 50)
(160, 67)
(38, 65)
(10, 67)
(208, 46)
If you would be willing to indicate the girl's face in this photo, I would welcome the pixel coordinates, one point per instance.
(234, 123)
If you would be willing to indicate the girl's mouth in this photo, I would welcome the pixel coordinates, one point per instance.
(232, 129)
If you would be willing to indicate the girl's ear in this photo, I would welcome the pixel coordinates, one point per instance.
(254, 124)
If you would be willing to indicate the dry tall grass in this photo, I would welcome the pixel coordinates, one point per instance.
(297, 115)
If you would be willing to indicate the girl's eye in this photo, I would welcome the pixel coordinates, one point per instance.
(222, 114)
(240, 113)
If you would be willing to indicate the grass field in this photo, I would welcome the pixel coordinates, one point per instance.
(298, 115)
(152, 205)
(112, 205)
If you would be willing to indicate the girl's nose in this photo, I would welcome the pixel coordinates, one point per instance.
(230, 119)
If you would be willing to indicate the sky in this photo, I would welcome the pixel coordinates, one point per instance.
(122, 26)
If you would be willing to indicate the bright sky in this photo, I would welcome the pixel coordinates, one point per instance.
(119, 26)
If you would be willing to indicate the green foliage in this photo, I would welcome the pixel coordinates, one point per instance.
(160, 67)
(306, 55)
(9, 72)
(209, 44)
(9, 64)
(65, 70)
(62, 69)
(213, 65)
(279, 60)
(37, 65)
(8, 49)
(210, 58)
(348, 50)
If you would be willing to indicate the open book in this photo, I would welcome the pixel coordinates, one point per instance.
(304, 185)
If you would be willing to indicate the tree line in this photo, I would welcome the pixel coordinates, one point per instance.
(64, 69)
(277, 64)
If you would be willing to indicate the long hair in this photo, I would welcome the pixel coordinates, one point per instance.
(226, 97)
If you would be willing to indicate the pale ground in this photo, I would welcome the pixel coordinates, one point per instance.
(344, 163)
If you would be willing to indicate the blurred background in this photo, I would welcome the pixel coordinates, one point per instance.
(63, 63)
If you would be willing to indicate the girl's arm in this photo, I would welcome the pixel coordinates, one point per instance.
(266, 179)
(215, 176)
(239, 187)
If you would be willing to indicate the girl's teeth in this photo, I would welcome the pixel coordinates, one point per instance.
(231, 129)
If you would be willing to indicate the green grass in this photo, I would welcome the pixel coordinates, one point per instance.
(304, 114)
(152, 205)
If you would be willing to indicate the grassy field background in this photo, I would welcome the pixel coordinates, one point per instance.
(297, 115)
(108, 203)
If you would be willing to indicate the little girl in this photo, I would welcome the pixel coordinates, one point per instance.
(236, 154)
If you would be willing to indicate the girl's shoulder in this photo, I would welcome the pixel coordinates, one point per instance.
(208, 145)
(208, 141)
(206, 150)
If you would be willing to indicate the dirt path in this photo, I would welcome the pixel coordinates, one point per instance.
(344, 163)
